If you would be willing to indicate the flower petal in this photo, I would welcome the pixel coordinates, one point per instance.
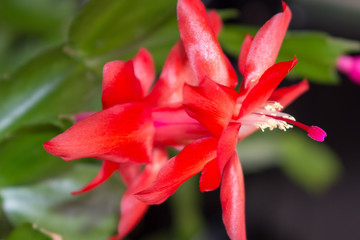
(205, 54)
(215, 21)
(132, 210)
(106, 170)
(245, 47)
(168, 89)
(120, 84)
(266, 85)
(227, 144)
(265, 47)
(232, 196)
(125, 131)
(210, 177)
(175, 127)
(190, 161)
(128, 171)
(211, 104)
(144, 69)
(287, 95)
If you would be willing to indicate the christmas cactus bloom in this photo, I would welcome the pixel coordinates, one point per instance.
(228, 115)
(135, 126)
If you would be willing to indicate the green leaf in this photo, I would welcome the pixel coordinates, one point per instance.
(159, 42)
(46, 17)
(317, 52)
(50, 205)
(107, 25)
(23, 159)
(188, 219)
(47, 86)
(312, 165)
(26, 231)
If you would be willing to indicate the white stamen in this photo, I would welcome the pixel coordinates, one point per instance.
(262, 118)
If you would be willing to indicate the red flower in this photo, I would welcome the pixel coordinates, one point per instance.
(135, 125)
(226, 114)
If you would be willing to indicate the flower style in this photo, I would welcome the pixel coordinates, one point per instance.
(136, 124)
(228, 115)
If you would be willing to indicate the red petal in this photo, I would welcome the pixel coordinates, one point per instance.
(245, 47)
(210, 177)
(201, 45)
(266, 85)
(176, 127)
(287, 95)
(128, 171)
(125, 131)
(215, 21)
(232, 196)
(132, 210)
(265, 47)
(168, 89)
(211, 104)
(227, 144)
(144, 69)
(105, 172)
(190, 161)
(120, 84)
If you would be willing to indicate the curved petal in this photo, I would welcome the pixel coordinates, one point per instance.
(120, 84)
(128, 171)
(227, 144)
(265, 87)
(232, 196)
(106, 170)
(244, 51)
(215, 21)
(210, 177)
(211, 104)
(190, 161)
(168, 89)
(176, 127)
(201, 45)
(287, 95)
(124, 130)
(132, 210)
(144, 69)
(265, 47)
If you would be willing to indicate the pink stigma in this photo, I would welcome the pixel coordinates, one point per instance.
(316, 133)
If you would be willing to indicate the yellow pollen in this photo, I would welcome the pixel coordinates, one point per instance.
(272, 124)
(274, 107)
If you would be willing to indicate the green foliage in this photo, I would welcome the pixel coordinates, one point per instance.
(317, 52)
(23, 160)
(28, 232)
(112, 29)
(29, 27)
(49, 85)
(50, 205)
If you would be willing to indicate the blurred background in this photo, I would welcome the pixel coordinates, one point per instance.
(51, 57)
